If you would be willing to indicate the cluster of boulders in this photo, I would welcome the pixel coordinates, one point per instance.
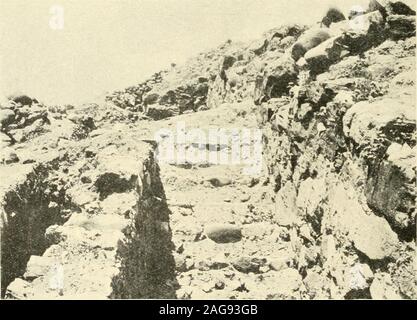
(336, 38)
(132, 98)
(20, 118)
(202, 82)
(239, 70)
(24, 119)
(165, 94)
(268, 67)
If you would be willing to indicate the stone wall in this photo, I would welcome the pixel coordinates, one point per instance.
(340, 149)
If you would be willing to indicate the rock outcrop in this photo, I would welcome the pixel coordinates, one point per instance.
(342, 147)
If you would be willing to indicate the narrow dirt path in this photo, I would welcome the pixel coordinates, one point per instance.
(227, 244)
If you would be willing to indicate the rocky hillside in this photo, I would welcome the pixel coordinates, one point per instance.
(87, 211)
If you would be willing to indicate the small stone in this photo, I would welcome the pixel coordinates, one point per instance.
(219, 285)
(229, 274)
(359, 277)
(285, 213)
(246, 265)
(264, 269)
(180, 249)
(284, 235)
(207, 288)
(220, 182)
(280, 263)
(245, 198)
(311, 254)
(189, 264)
(85, 179)
(53, 205)
(253, 182)
(223, 233)
(305, 233)
(214, 263)
(82, 197)
(55, 234)
(321, 127)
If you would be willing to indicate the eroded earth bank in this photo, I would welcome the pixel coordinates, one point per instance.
(90, 210)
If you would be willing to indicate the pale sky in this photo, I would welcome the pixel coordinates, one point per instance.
(110, 44)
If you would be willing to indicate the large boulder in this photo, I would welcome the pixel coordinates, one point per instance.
(258, 47)
(368, 233)
(115, 174)
(150, 99)
(324, 55)
(363, 33)
(177, 93)
(6, 117)
(399, 7)
(375, 5)
(23, 99)
(354, 37)
(333, 15)
(364, 122)
(310, 39)
(401, 26)
(388, 7)
(390, 187)
(382, 132)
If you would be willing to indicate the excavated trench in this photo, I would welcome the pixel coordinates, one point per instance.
(29, 209)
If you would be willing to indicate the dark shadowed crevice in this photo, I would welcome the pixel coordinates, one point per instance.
(147, 264)
(30, 209)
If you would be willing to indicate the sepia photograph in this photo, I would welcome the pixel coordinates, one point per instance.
(178, 150)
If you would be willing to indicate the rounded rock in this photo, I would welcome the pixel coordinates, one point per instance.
(223, 233)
